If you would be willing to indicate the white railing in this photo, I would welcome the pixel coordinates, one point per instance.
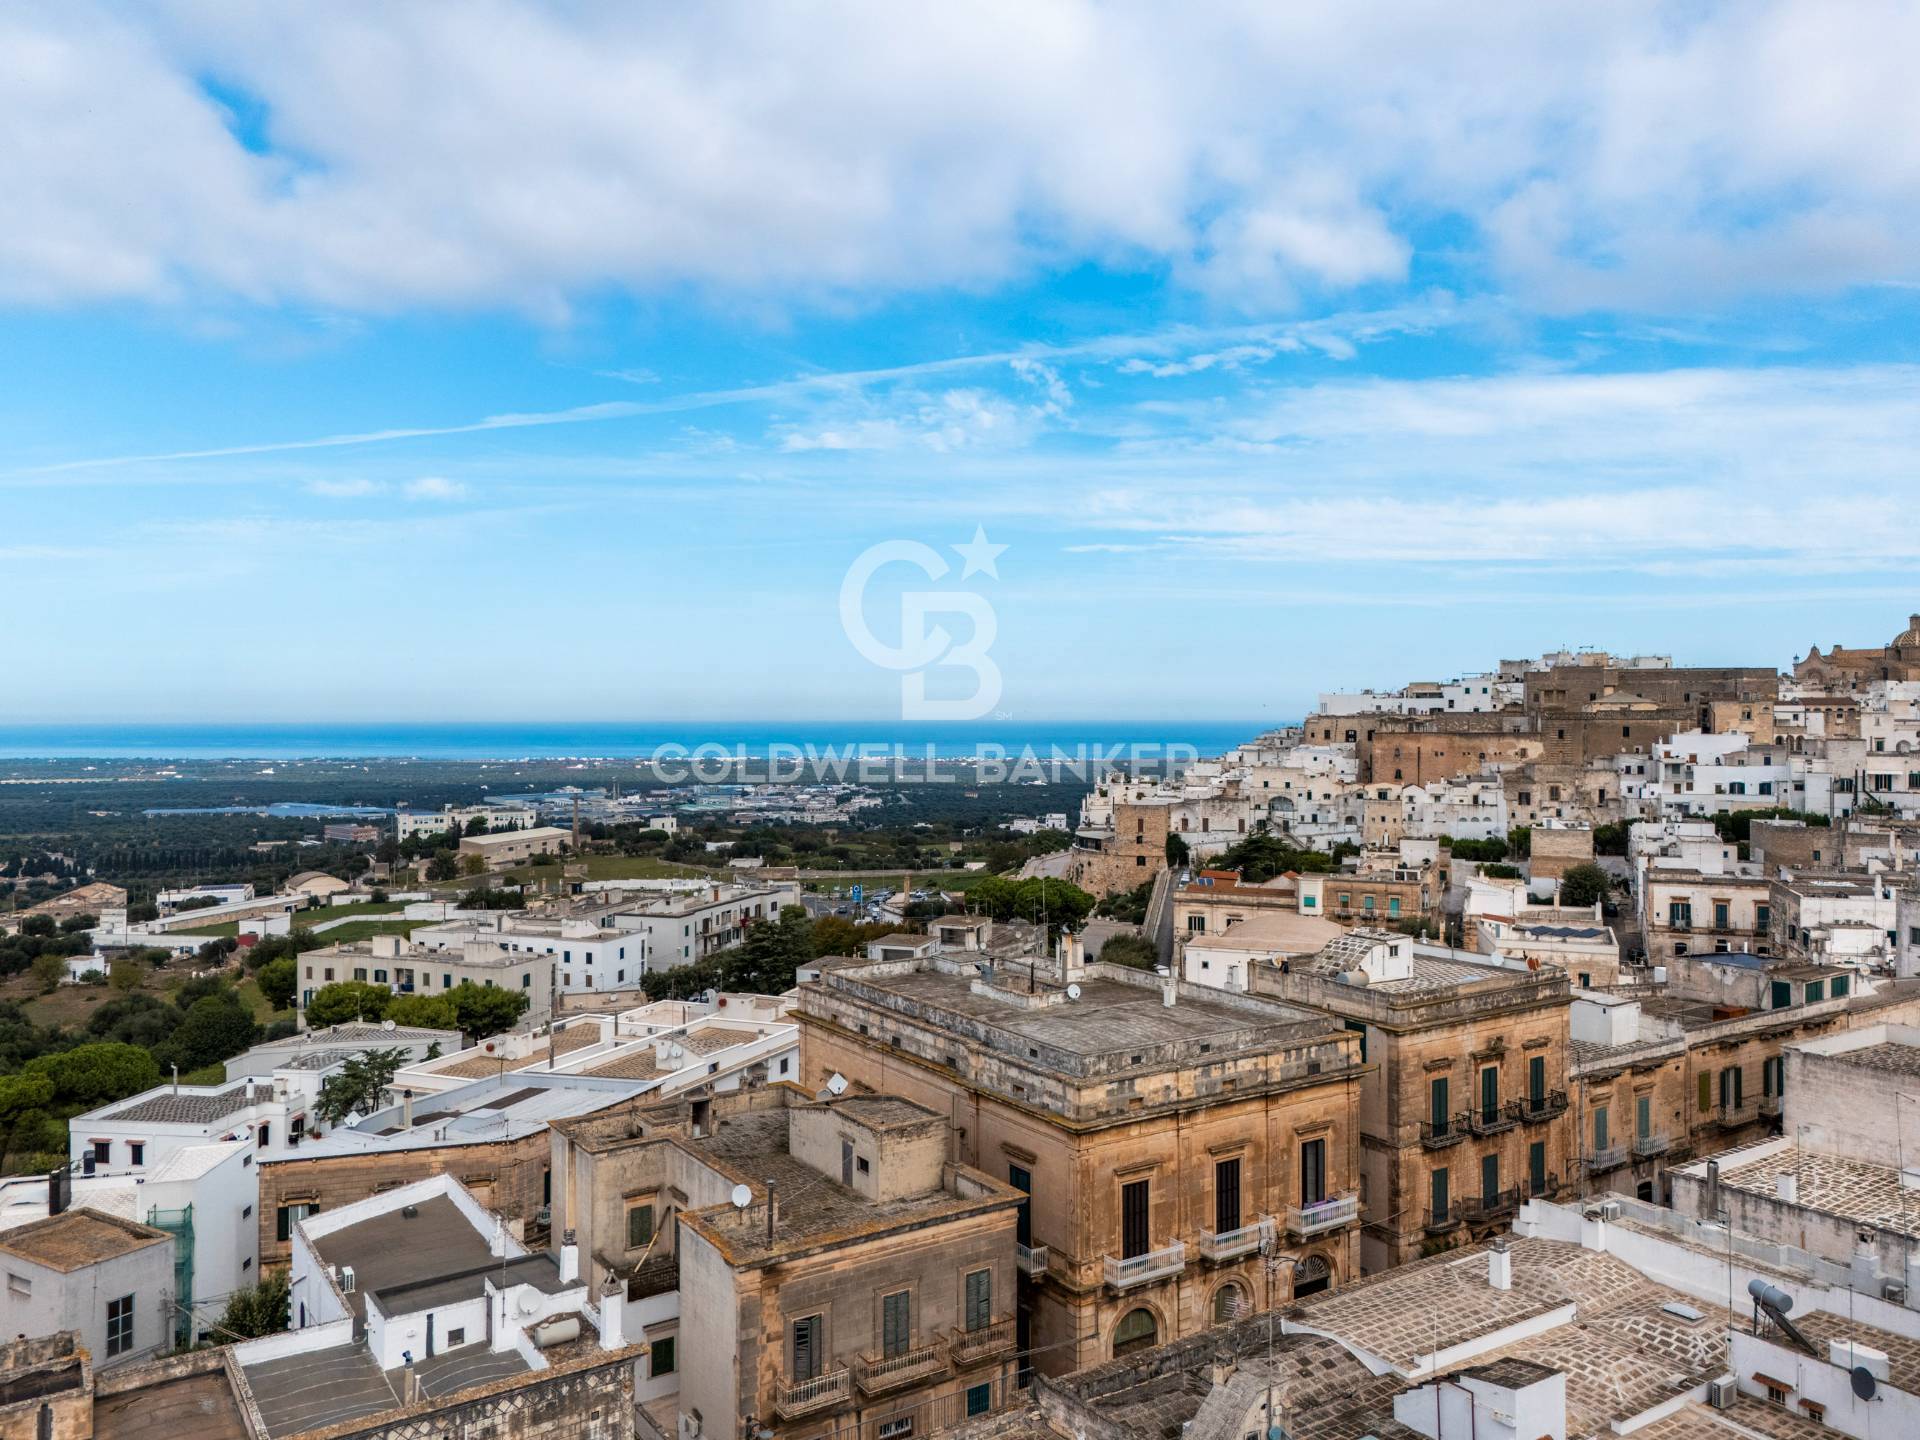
(1032, 1259)
(1328, 1214)
(799, 1397)
(1134, 1270)
(1226, 1244)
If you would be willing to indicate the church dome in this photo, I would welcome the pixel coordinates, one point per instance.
(1909, 638)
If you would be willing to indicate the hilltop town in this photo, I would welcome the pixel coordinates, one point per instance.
(1519, 1054)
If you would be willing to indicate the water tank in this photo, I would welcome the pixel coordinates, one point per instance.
(557, 1332)
(1771, 1296)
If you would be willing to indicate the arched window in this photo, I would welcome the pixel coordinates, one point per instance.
(1137, 1330)
(1311, 1276)
(1230, 1303)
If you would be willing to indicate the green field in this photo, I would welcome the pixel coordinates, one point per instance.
(362, 929)
(360, 910)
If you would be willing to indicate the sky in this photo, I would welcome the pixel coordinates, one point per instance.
(507, 361)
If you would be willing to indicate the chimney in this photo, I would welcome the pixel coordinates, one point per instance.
(1787, 1187)
(406, 1109)
(569, 1258)
(1169, 991)
(612, 1330)
(1500, 1266)
(1073, 958)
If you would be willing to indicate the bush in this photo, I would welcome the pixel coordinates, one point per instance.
(1583, 885)
(1132, 950)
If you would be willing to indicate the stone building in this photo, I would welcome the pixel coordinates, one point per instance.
(1688, 912)
(1125, 854)
(1379, 895)
(1842, 669)
(490, 1135)
(109, 1279)
(1463, 1110)
(1187, 1154)
(1657, 1081)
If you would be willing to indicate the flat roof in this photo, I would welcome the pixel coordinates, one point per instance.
(1109, 1017)
(319, 1389)
(1853, 1190)
(203, 1406)
(433, 1257)
(165, 1106)
(79, 1238)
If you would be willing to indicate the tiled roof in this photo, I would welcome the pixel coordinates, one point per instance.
(164, 1107)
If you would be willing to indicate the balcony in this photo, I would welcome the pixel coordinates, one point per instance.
(1610, 1158)
(879, 1374)
(1032, 1259)
(1492, 1122)
(968, 1347)
(1145, 1269)
(1484, 1208)
(1434, 1134)
(1232, 1244)
(1770, 1104)
(1443, 1219)
(794, 1398)
(1646, 1146)
(1328, 1214)
(1536, 1111)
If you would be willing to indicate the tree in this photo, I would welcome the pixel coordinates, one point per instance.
(1177, 852)
(215, 1028)
(97, 1074)
(1582, 885)
(136, 1019)
(765, 964)
(126, 975)
(263, 1309)
(49, 971)
(355, 1088)
(278, 979)
(484, 1010)
(1134, 950)
(346, 1000)
(21, 1095)
(1520, 841)
(428, 1012)
(442, 866)
(472, 865)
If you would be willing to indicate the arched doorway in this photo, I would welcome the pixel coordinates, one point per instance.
(1311, 1275)
(1137, 1330)
(1230, 1303)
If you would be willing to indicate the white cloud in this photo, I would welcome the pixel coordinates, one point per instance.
(348, 487)
(511, 153)
(435, 487)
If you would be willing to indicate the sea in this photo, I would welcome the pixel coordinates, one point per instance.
(613, 740)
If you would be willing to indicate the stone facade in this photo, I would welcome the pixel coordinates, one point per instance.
(509, 1176)
(1125, 857)
(1428, 1107)
(1156, 1166)
(1555, 849)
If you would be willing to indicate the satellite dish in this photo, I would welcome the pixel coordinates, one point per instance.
(837, 1083)
(1073, 992)
(1864, 1383)
(742, 1197)
(386, 1024)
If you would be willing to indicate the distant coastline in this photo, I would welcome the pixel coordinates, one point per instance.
(506, 742)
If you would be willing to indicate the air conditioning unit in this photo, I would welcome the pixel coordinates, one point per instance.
(1893, 1292)
(1721, 1392)
(347, 1283)
(1609, 1209)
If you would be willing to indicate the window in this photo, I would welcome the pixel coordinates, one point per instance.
(900, 1429)
(1313, 1172)
(639, 1226)
(456, 1336)
(1489, 1178)
(1599, 1128)
(979, 1399)
(137, 1151)
(896, 1323)
(1537, 1081)
(1643, 1116)
(20, 1287)
(290, 1216)
(1307, 902)
(1816, 991)
(1021, 1179)
(1196, 924)
(979, 1311)
(1437, 1104)
(1489, 1093)
(1136, 1331)
(1680, 914)
(661, 1362)
(1393, 906)
(1780, 995)
(1226, 1196)
(1722, 915)
(1537, 1168)
(1133, 1218)
(1229, 1303)
(1836, 989)
(1437, 1197)
(1706, 1091)
(102, 1152)
(119, 1326)
(807, 1358)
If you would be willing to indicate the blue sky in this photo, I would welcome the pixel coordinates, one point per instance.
(504, 361)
